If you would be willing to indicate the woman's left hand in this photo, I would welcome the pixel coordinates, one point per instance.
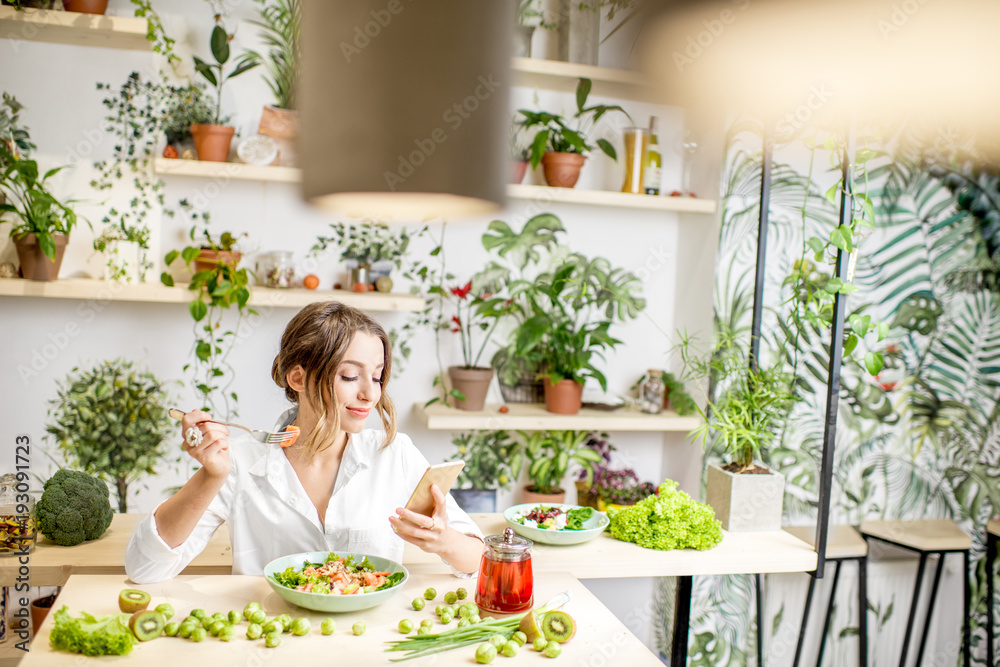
(427, 532)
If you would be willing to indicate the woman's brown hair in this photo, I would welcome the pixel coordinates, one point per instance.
(317, 339)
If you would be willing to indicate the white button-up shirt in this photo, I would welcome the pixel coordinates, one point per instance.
(270, 515)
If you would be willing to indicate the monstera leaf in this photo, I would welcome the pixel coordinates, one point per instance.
(919, 313)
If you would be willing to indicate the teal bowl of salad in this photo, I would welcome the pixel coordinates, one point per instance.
(335, 582)
(558, 524)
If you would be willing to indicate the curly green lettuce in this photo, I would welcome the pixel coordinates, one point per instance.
(671, 519)
(92, 635)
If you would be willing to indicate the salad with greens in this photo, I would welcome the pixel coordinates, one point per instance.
(554, 518)
(338, 575)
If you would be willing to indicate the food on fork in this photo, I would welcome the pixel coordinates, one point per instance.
(294, 430)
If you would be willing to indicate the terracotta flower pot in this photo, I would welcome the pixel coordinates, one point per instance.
(564, 397)
(281, 125)
(212, 142)
(86, 6)
(207, 260)
(473, 383)
(562, 170)
(40, 608)
(543, 498)
(34, 264)
(518, 169)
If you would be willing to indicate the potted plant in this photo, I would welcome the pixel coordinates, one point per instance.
(517, 257)
(492, 462)
(614, 489)
(124, 248)
(364, 245)
(111, 421)
(86, 6)
(567, 327)
(186, 106)
(675, 394)
(220, 283)
(520, 153)
(562, 149)
(549, 455)
(529, 17)
(279, 28)
(42, 223)
(745, 493)
(212, 141)
(472, 315)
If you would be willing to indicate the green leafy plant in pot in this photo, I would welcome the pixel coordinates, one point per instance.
(560, 148)
(365, 244)
(571, 311)
(220, 283)
(473, 316)
(279, 28)
(124, 247)
(492, 462)
(549, 455)
(516, 258)
(212, 141)
(742, 421)
(186, 106)
(42, 224)
(110, 420)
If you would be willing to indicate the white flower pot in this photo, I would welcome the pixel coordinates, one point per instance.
(122, 262)
(745, 502)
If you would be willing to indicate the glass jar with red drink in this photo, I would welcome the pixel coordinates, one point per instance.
(505, 585)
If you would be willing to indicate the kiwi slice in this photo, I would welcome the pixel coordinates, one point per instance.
(146, 625)
(132, 600)
(529, 626)
(558, 626)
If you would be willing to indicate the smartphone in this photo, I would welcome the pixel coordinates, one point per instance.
(442, 474)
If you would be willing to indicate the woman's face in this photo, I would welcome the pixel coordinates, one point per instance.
(358, 383)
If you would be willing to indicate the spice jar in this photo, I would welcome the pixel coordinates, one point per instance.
(276, 269)
(506, 585)
(17, 516)
(652, 391)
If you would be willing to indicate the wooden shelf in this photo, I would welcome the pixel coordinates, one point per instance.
(563, 76)
(226, 171)
(100, 290)
(534, 417)
(542, 193)
(112, 32)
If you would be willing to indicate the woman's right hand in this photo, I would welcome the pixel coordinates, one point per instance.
(213, 451)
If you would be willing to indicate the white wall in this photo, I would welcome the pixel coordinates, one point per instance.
(43, 339)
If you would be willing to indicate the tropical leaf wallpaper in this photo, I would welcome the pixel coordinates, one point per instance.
(921, 438)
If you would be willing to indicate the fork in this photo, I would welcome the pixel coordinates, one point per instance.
(283, 438)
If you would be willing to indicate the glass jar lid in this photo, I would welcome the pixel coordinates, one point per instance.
(508, 546)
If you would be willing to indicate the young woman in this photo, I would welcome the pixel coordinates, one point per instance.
(339, 487)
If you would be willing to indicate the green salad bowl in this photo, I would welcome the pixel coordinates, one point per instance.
(328, 602)
(592, 527)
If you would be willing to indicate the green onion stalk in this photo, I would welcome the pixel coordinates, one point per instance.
(418, 646)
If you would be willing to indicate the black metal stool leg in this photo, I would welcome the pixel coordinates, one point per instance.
(863, 612)
(930, 608)
(682, 623)
(913, 610)
(760, 622)
(805, 620)
(829, 613)
(991, 555)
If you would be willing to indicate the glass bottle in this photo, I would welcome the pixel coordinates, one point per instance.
(652, 391)
(277, 269)
(17, 516)
(653, 163)
(506, 584)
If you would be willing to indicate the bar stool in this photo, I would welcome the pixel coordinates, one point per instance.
(992, 534)
(927, 537)
(842, 543)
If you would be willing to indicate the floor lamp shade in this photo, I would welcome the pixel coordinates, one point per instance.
(405, 106)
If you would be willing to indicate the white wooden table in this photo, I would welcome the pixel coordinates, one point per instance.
(599, 632)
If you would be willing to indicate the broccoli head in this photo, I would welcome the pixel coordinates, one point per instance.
(75, 507)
